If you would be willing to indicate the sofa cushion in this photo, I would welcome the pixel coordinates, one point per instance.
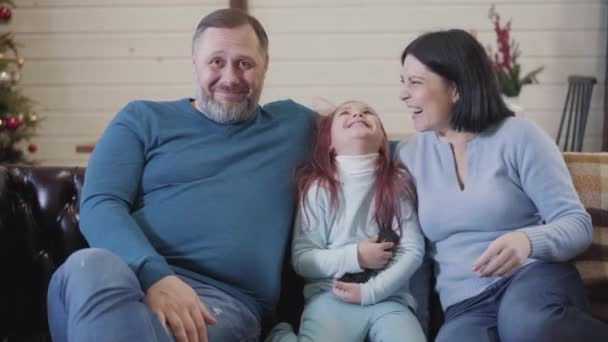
(589, 173)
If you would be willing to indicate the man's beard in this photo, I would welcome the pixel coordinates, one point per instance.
(220, 113)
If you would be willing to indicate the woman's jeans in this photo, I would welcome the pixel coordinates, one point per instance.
(540, 302)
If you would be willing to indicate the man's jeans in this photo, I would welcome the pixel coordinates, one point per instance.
(95, 296)
(541, 302)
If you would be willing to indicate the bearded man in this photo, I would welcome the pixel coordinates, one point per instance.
(188, 205)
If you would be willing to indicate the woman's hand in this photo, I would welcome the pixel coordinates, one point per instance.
(504, 256)
(374, 255)
(348, 292)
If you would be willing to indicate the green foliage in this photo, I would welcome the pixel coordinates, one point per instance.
(510, 82)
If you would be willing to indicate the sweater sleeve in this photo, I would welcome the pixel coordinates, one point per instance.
(311, 256)
(567, 229)
(111, 186)
(407, 258)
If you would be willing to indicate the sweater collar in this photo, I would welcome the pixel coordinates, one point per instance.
(357, 165)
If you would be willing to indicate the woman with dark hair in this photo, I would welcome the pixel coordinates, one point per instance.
(496, 203)
(351, 193)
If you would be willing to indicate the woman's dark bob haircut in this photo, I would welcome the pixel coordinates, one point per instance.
(458, 58)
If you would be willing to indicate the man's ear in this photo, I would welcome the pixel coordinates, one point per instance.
(266, 61)
(193, 52)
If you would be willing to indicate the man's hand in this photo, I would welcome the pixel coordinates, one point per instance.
(374, 255)
(348, 292)
(504, 256)
(178, 306)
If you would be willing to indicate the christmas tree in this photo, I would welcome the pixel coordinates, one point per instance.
(18, 121)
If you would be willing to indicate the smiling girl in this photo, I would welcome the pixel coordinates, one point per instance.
(348, 193)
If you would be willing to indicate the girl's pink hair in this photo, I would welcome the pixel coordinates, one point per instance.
(393, 182)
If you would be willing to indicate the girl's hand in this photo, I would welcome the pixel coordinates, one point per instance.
(348, 292)
(374, 255)
(504, 256)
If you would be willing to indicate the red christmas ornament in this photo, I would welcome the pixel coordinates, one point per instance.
(32, 148)
(12, 123)
(5, 13)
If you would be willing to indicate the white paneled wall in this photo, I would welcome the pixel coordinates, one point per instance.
(85, 59)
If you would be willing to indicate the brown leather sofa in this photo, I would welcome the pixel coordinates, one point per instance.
(39, 230)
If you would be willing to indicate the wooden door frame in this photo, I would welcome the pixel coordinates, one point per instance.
(605, 131)
(240, 4)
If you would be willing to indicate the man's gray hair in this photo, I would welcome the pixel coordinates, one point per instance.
(231, 18)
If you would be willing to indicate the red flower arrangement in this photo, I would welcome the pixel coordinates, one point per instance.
(504, 61)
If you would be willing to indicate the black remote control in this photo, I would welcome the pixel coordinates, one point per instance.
(385, 235)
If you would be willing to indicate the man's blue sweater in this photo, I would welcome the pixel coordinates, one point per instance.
(172, 192)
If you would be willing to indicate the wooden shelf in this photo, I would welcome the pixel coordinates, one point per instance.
(85, 148)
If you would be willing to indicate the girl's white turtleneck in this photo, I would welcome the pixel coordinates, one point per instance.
(357, 165)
